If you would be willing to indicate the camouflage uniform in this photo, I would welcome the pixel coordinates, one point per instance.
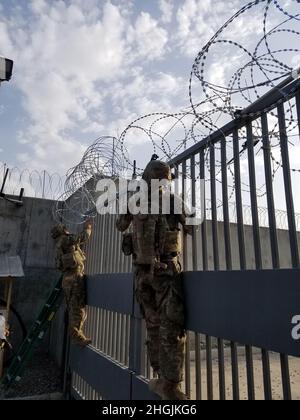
(70, 261)
(158, 287)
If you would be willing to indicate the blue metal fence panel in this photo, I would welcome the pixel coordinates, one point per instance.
(111, 380)
(247, 307)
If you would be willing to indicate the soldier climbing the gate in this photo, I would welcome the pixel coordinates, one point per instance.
(155, 247)
(70, 260)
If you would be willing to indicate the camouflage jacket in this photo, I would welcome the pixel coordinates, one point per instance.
(69, 245)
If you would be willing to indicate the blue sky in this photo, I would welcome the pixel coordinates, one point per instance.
(84, 69)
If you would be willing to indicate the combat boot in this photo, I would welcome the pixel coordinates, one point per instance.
(79, 338)
(167, 390)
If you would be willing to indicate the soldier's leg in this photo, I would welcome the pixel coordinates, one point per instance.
(172, 334)
(74, 289)
(145, 296)
(67, 286)
(78, 311)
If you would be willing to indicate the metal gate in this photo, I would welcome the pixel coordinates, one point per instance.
(241, 280)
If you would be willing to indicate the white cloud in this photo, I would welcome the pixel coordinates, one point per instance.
(147, 38)
(166, 8)
(87, 69)
(198, 21)
(67, 57)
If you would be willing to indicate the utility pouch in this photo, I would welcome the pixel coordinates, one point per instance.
(172, 242)
(127, 244)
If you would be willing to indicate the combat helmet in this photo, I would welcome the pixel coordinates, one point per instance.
(58, 231)
(156, 169)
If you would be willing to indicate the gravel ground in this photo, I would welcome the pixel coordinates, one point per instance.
(41, 376)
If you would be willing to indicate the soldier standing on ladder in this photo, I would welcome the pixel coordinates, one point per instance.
(70, 260)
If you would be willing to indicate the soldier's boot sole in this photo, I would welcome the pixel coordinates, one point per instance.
(166, 390)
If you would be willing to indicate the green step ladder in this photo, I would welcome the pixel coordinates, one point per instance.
(17, 367)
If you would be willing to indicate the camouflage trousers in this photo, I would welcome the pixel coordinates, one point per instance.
(74, 290)
(161, 300)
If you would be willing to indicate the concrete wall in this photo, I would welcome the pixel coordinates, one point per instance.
(25, 231)
(283, 244)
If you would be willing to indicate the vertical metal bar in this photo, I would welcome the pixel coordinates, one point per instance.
(44, 182)
(102, 243)
(210, 391)
(286, 379)
(105, 233)
(214, 207)
(100, 342)
(91, 322)
(109, 244)
(98, 241)
(194, 238)
(118, 352)
(221, 364)
(238, 197)
(123, 341)
(222, 386)
(195, 267)
(115, 336)
(185, 253)
(105, 316)
(84, 389)
(235, 372)
(110, 334)
(198, 367)
(257, 247)
(185, 267)
(98, 327)
(242, 251)
(288, 186)
(292, 226)
(250, 373)
(128, 328)
(204, 223)
(253, 195)
(270, 193)
(267, 374)
(227, 237)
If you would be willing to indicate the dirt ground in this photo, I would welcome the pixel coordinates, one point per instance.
(41, 376)
(276, 381)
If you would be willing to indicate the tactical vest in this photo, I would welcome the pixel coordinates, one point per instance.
(69, 255)
(152, 239)
(149, 235)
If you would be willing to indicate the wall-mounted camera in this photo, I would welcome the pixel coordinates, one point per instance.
(6, 68)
